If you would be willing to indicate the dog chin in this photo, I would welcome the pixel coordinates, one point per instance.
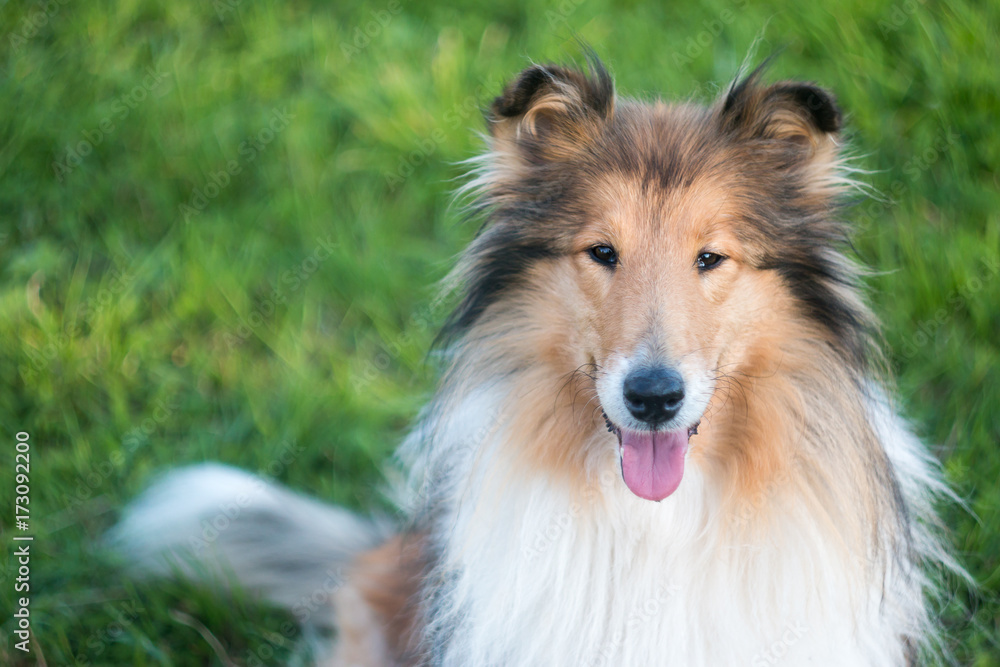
(652, 461)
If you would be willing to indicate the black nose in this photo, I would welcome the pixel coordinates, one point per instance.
(654, 395)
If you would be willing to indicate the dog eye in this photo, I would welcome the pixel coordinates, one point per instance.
(604, 254)
(709, 260)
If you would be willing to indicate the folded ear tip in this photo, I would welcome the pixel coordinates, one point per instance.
(593, 89)
(748, 105)
(517, 95)
(821, 105)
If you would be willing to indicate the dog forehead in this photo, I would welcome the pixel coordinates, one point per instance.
(659, 164)
(635, 211)
(664, 146)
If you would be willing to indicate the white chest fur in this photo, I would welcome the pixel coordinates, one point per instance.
(540, 576)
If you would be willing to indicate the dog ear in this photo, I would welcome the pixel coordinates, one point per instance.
(800, 113)
(553, 104)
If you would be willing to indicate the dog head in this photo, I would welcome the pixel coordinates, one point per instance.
(677, 246)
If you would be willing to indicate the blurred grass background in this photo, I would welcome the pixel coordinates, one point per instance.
(221, 224)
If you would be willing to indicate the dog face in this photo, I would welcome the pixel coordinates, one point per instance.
(667, 288)
(680, 238)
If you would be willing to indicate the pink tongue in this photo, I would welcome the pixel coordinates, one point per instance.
(653, 463)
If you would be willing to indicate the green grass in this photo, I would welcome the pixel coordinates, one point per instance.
(281, 323)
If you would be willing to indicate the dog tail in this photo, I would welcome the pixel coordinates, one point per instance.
(228, 528)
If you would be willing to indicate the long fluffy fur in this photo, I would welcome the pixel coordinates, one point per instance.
(804, 529)
(226, 526)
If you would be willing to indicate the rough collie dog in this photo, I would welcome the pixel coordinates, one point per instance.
(662, 437)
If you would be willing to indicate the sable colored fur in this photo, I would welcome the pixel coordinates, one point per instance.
(662, 437)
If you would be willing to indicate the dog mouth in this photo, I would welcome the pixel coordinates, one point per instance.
(652, 462)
